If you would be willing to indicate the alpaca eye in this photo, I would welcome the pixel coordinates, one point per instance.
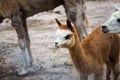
(68, 36)
(118, 20)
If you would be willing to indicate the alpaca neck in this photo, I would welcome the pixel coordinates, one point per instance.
(79, 58)
(75, 51)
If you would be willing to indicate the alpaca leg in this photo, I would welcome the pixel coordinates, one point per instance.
(98, 77)
(29, 55)
(115, 66)
(23, 70)
(83, 77)
(74, 11)
(108, 71)
(116, 71)
(17, 23)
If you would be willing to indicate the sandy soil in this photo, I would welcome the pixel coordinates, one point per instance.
(49, 63)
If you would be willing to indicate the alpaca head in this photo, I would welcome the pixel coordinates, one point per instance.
(65, 35)
(113, 24)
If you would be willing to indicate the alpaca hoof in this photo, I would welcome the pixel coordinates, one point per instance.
(22, 72)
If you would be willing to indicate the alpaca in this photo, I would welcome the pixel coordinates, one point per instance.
(19, 10)
(113, 24)
(89, 55)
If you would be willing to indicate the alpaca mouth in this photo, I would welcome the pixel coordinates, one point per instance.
(61, 46)
(57, 46)
(110, 31)
(105, 30)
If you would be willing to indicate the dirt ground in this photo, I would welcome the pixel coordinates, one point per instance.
(49, 63)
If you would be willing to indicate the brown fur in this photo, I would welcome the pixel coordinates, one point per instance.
(8, 7)
(91, 53)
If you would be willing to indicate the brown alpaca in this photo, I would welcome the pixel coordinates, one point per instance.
(91, 53)
(19, 10)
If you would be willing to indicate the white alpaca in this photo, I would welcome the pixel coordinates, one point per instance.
(113, 24)
(91, 53)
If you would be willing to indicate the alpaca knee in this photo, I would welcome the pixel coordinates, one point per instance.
(17, 20)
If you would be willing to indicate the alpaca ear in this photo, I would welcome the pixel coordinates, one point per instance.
(69, 25)
(58, 22)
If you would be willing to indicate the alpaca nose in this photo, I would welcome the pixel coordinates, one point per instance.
(104, 29)
(56, 44)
